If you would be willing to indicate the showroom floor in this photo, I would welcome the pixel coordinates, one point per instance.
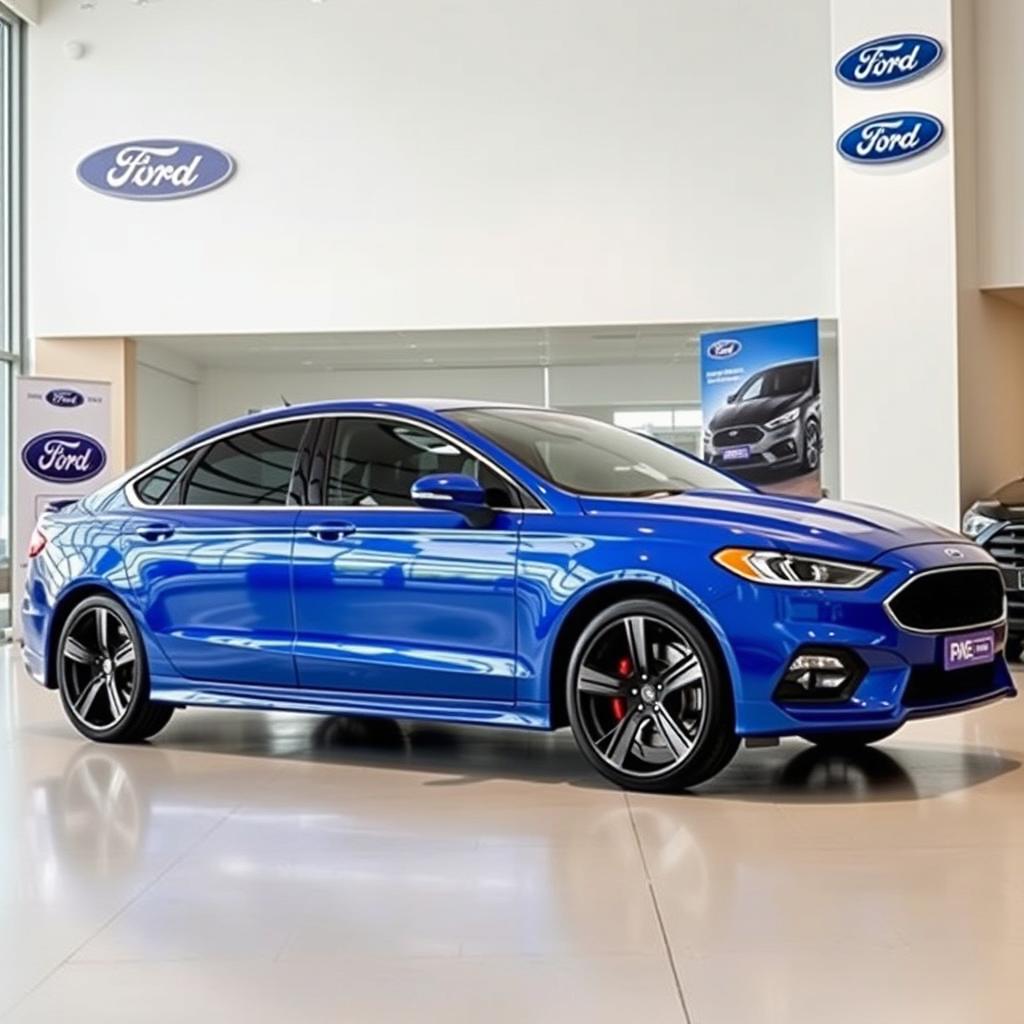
(253, 868)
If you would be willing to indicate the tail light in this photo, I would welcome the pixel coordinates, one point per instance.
(37, 543)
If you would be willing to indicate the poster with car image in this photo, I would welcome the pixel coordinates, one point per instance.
(761, 402)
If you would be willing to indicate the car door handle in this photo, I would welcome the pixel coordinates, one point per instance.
(331, 530)
(155, 531)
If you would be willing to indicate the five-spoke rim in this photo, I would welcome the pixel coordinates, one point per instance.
(98, 661)
(641, 695)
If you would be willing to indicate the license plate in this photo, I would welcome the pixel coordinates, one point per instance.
(966, 649)
(1013, 579)
(736, 454)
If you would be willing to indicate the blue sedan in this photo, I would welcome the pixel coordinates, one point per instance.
(502, 565)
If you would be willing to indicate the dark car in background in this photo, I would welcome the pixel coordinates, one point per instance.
(772, 420)
(997, 524)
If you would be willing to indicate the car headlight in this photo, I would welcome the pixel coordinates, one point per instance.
(781, 421)
(975, 522)
(786, 570)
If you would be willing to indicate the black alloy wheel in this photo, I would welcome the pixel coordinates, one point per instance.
(102, 677)
(649, 706)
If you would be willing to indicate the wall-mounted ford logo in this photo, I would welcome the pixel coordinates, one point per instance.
(725, 348)
(889, 137)
(63, 457)
(155, 169)
(65, 398)
(889, 60)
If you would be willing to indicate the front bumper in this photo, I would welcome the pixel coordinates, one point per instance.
(904, 673)
(779, 447)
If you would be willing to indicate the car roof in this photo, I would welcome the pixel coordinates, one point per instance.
(406, 406)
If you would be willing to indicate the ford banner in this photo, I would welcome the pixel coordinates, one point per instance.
(62, 452)
(761, 405)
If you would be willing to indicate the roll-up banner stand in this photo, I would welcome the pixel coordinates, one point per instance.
(63, 432)
(761, 404)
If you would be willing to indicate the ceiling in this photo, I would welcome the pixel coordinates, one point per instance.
(392, 350)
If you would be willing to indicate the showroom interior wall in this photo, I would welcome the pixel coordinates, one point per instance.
(988, 85)
(410, 165)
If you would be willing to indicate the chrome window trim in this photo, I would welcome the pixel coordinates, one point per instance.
(153, 465)
(914, 577)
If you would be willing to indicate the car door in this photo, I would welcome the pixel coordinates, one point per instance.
(391, 598)
(208, 550)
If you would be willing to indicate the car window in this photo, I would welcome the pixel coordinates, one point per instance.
(250, 468)
(376, 462)
(788, 379)
(154, 486)
(587, 456)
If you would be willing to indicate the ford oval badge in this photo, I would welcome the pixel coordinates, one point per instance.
(155, 169)
(889, 60)
(63, 457)
(65, 398)
(725, 348)
(889, 137)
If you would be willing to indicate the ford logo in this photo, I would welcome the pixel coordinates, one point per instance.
(889, 60)
(888, 137)
(725, 349)
(65, 398)
(155, 169)
(63, 457)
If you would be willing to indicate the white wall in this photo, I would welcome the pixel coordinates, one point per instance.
(166, 400)
(896, 247)
(458, 163)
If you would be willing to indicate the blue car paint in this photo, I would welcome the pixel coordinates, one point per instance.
(442, 620)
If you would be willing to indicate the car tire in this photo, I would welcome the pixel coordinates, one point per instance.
(812, 445)
(1014, 648)
(844, 742)
(650, 705)
(102, 675)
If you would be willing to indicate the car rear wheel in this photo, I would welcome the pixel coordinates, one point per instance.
(842, 742)
(102, 675)
(649, 706)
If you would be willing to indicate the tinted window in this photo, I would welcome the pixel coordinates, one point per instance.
(590, 457)
(253, 468)
(153, 488)
(789, 379)
(376, 462)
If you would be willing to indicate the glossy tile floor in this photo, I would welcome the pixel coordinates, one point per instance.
(248, 867)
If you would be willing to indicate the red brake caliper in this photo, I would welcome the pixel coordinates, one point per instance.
(625, 669)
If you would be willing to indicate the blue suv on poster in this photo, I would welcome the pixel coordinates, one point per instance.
(507, 566)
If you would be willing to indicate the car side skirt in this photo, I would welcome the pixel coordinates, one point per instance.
(198, 693)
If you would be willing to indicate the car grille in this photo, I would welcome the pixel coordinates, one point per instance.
(1007, 548)
(932, 684)
(737, 435)
(946, 599)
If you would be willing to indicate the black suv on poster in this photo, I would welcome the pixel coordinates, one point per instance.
(772, 420)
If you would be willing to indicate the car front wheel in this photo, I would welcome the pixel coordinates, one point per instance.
(102, 675)
(649, 706)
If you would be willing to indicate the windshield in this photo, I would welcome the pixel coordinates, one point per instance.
(790, 379)
(590, 457)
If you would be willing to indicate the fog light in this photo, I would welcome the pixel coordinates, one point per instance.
(820, 675)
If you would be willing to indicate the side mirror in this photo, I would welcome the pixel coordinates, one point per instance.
(454, 492)
(731, 398)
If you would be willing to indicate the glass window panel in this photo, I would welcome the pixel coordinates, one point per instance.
(252, 468)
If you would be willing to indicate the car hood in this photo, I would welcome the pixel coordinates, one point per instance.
(837, 529)
(757, 410)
